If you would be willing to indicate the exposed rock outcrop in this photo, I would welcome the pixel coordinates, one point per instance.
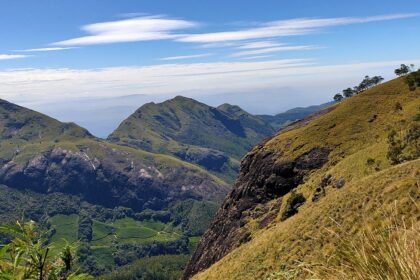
(264, 176)
(117, 178)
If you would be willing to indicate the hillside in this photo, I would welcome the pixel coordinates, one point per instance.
(40, 153)
(214, 138)
(107, 195)
(340, 170)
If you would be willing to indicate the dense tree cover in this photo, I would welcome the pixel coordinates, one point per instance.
(128, 253)
(193, 216)
(85, 231)
(164, 267)
(28, 256)
(365, 84)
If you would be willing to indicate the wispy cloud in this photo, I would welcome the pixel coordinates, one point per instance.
(46, 49)
(256, 57)
(260, 45)
(274, 50)
(292, 27)
(11, 56)
(182, 57)
(129, 30)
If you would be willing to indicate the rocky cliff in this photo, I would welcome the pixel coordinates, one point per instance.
(265, 176)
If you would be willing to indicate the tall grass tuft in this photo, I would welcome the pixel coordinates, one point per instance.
(387, 253)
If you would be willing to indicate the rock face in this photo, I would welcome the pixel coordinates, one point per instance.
(264, 176)
(118, 178)
(210, 159)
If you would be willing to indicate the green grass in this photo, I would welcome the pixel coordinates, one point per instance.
(194, 242)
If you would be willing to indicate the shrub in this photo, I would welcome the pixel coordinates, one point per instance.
(27, 256)
(293, 203)
(405, 145)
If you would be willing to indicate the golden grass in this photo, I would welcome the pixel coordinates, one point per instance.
(370, 190)
(388, 253)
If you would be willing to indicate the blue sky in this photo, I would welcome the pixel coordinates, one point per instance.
(94, 62)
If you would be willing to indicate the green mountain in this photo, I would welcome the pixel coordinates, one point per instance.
(333, 196)
(214, 138)
(122, 203)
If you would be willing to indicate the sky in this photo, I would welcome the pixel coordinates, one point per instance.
(94, 62)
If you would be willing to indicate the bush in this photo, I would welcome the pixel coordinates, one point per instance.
(293, 203)
(405, 145)
(27, 256)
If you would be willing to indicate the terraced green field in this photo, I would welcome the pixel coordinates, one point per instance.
(65, 229)
(129, 231)
(106, 235)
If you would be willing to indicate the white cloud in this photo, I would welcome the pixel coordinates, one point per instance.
(59, 85)
(220, 45)
(181, 57)
(46, 49)
(11, 56)
(260, 45)
(273, 50)
(129, 30)
(256, 57)
(300, 26)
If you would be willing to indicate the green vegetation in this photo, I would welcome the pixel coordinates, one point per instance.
(214, 138)
(294, 201)
(165, 267)
(405, 145)
(64, 228)
(27, 256)
(404, 70)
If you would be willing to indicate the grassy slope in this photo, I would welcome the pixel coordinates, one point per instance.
(182, 123)
(354, 135)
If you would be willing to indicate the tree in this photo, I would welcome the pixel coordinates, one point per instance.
(348, 92)
(403, 70)
(376, 80)
(338, 97)
(28, 256)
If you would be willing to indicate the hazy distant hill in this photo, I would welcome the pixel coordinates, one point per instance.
(282, 119)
